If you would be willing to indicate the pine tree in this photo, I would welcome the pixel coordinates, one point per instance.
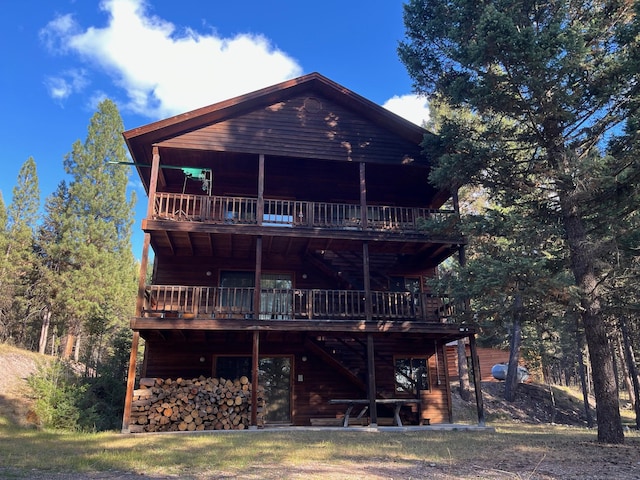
(550, 79)
(96, 269)
(19, 262)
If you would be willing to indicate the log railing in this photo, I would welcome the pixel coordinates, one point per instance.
(291, 213)
(292, 304)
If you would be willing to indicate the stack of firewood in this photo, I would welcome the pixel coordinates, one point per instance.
(164, 405)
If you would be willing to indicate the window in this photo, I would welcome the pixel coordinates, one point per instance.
(276, 297)
(412, 374)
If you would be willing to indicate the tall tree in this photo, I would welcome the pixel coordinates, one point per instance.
(4, 240)
(98, 282)
(19, 259)
(549, 78)
(55, 257)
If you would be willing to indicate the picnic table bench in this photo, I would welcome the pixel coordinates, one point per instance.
(351, 403)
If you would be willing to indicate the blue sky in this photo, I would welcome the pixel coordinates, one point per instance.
(156, 58)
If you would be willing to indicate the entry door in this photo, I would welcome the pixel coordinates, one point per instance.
(275, 377)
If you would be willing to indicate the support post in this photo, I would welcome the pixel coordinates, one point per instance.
(368, 307)
(258, 279)
(371, 368)
(254, 379)
(131, 378)
(260, 206)
(144, 263)
(476, 379)
(363, 196)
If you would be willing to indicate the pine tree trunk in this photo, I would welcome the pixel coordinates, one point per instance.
(511, 382)
(624, 369)
(633, 369)
(583, 377)
(44, 332)
(463, 371)
(68, 348)
(596, 328)
(76, 353)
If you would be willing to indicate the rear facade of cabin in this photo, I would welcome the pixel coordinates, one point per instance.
(289, 237)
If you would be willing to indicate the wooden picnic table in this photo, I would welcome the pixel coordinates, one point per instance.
(351, 403)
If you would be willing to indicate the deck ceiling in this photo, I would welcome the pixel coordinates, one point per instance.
(231, 245)
(237, 331)
(297, 178)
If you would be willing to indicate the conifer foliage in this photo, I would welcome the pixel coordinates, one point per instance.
(548, 84)
(68, 277)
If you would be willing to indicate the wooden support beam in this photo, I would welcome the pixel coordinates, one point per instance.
(363, 196)
(367, 281)
(260, 206)
(131, 379)
(153, 181)
(476, 379)
(371, 369)
(255, 361)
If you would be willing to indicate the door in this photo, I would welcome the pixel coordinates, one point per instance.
(274, 375)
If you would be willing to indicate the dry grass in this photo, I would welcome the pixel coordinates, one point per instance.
(512, 451)
(515, 450)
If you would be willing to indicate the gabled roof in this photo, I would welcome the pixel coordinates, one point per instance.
(140, 140)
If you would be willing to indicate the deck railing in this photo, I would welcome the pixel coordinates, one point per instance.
(293, 304)
(290, 213)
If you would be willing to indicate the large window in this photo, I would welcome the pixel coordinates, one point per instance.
(412, 375)
(276, 297)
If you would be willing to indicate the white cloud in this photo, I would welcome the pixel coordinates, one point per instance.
(66, 83)
(165, 72)
(414, 108)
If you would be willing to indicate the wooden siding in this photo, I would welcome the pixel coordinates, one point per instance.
(305, 125)
(487, 357)
(319, 381)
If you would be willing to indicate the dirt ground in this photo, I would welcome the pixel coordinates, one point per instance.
(534, 404)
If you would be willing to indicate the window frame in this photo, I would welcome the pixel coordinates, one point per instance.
(415, 391)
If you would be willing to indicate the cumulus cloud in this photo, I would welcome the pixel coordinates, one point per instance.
(164, 71)
(414, 108)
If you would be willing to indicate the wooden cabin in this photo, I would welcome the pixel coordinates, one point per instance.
(292, 232)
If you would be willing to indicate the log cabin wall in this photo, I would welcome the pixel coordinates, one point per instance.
(314, 380)
(330, 132)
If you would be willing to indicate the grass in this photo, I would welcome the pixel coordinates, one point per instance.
(518, 446)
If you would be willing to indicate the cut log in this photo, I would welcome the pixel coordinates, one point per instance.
(194, 404)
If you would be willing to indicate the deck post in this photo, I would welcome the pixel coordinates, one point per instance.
(476, 379)
(363, 197)
(260, 205)
(153, 181)
(368, 309)
(131, 378)
(254, 379)
(144, 262)
(371, 368)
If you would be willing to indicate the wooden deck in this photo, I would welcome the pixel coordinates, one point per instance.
(299, 214)
(292, 304)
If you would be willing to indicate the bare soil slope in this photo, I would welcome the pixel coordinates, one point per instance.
(16, 365)
(534, 403)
